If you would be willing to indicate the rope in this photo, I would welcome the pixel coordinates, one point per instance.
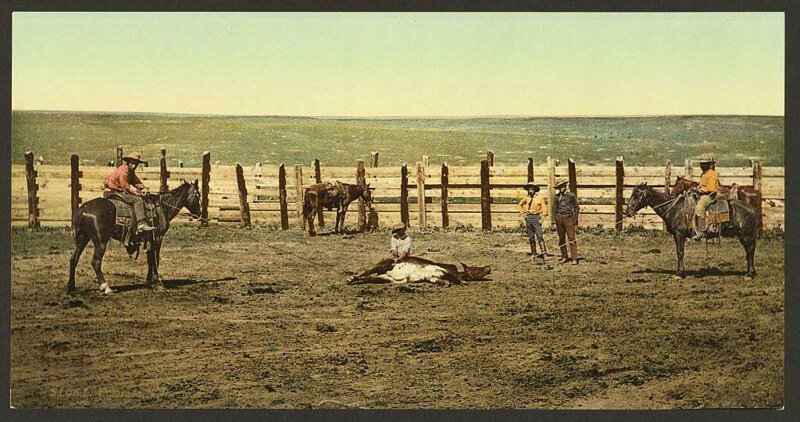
(256, 240)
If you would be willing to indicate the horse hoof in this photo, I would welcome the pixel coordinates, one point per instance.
(158, 287)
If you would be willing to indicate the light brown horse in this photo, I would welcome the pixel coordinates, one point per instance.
(330, 196)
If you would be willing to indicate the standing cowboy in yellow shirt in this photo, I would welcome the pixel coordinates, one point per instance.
(708, 189)
(533, 207)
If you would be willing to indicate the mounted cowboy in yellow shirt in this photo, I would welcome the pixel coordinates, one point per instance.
(707, 190)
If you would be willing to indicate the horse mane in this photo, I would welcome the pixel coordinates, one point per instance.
(176, 196)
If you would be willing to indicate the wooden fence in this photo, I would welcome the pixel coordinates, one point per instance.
(421, 195)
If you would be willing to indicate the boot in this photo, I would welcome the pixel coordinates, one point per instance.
(699, 228)
(543, 247)
(533, 248)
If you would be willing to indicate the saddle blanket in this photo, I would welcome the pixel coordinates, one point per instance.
(718, 212)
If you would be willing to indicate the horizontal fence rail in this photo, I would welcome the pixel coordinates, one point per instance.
(419, 194)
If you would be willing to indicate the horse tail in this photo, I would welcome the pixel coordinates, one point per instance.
(307, 206)
(76, 221)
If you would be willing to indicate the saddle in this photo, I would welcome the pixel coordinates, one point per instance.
(126, 218)
(716, 214)
(331, 195)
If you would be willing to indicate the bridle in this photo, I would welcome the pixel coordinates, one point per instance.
(646, 197)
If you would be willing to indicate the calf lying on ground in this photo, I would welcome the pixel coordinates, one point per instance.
(419, 270)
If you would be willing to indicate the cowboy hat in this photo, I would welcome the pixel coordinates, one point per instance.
(706, 159)
(133, 156)
(397, 227)
(535, 187)
(560, 182)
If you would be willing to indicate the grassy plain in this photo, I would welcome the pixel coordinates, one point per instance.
(339, 142)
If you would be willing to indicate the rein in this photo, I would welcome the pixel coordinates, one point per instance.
(673, 201)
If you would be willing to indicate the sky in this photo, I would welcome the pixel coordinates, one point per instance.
(400, 64)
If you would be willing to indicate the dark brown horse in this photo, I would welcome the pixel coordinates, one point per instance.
(747, 194)
(330, 196)
(96, 220)
(674, 209)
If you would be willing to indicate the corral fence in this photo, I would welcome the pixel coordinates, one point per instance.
(421, 195)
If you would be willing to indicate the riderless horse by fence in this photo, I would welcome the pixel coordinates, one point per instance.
(330, 196)
(677, 211)
(97, 220)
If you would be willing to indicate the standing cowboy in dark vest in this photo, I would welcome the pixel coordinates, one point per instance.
(124, 182)
(534, 208)
(707, 189)
(566, 210)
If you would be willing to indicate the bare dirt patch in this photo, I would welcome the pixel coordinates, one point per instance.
(243, 326)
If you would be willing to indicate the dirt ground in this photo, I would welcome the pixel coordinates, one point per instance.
(243, 325)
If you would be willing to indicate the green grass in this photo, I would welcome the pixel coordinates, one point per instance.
(339, 142)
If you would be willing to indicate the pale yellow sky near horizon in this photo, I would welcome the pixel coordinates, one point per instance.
(400, 64)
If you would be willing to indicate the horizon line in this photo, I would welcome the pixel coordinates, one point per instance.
(386, 117)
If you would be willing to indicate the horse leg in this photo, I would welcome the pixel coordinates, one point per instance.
(155, 253)
(343, 215)
(680, 243)
(749, 244)
(80, 244)
(310, 218)
(338, 219)
(97, 263)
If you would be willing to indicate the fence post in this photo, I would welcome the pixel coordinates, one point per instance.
(551, 191)
(361, 181)
(667, 186)
(119, 156)
(180, 164)
(33, 188)
(282, 197)
(404, 194)
(423, 218)
(619, 200)
(75, 183)
(486, 197)
(318, 179)
(425, 161)
(298, 190)
(244, 207)
(668, 177)
(573, 177)
(490, 158)
(445, 183)
(206, 178)
(374, 159)
(530, 169)
(164, 172)
(757, 185)
(689, 169)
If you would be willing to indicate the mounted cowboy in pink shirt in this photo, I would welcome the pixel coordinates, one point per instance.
(124, 183)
